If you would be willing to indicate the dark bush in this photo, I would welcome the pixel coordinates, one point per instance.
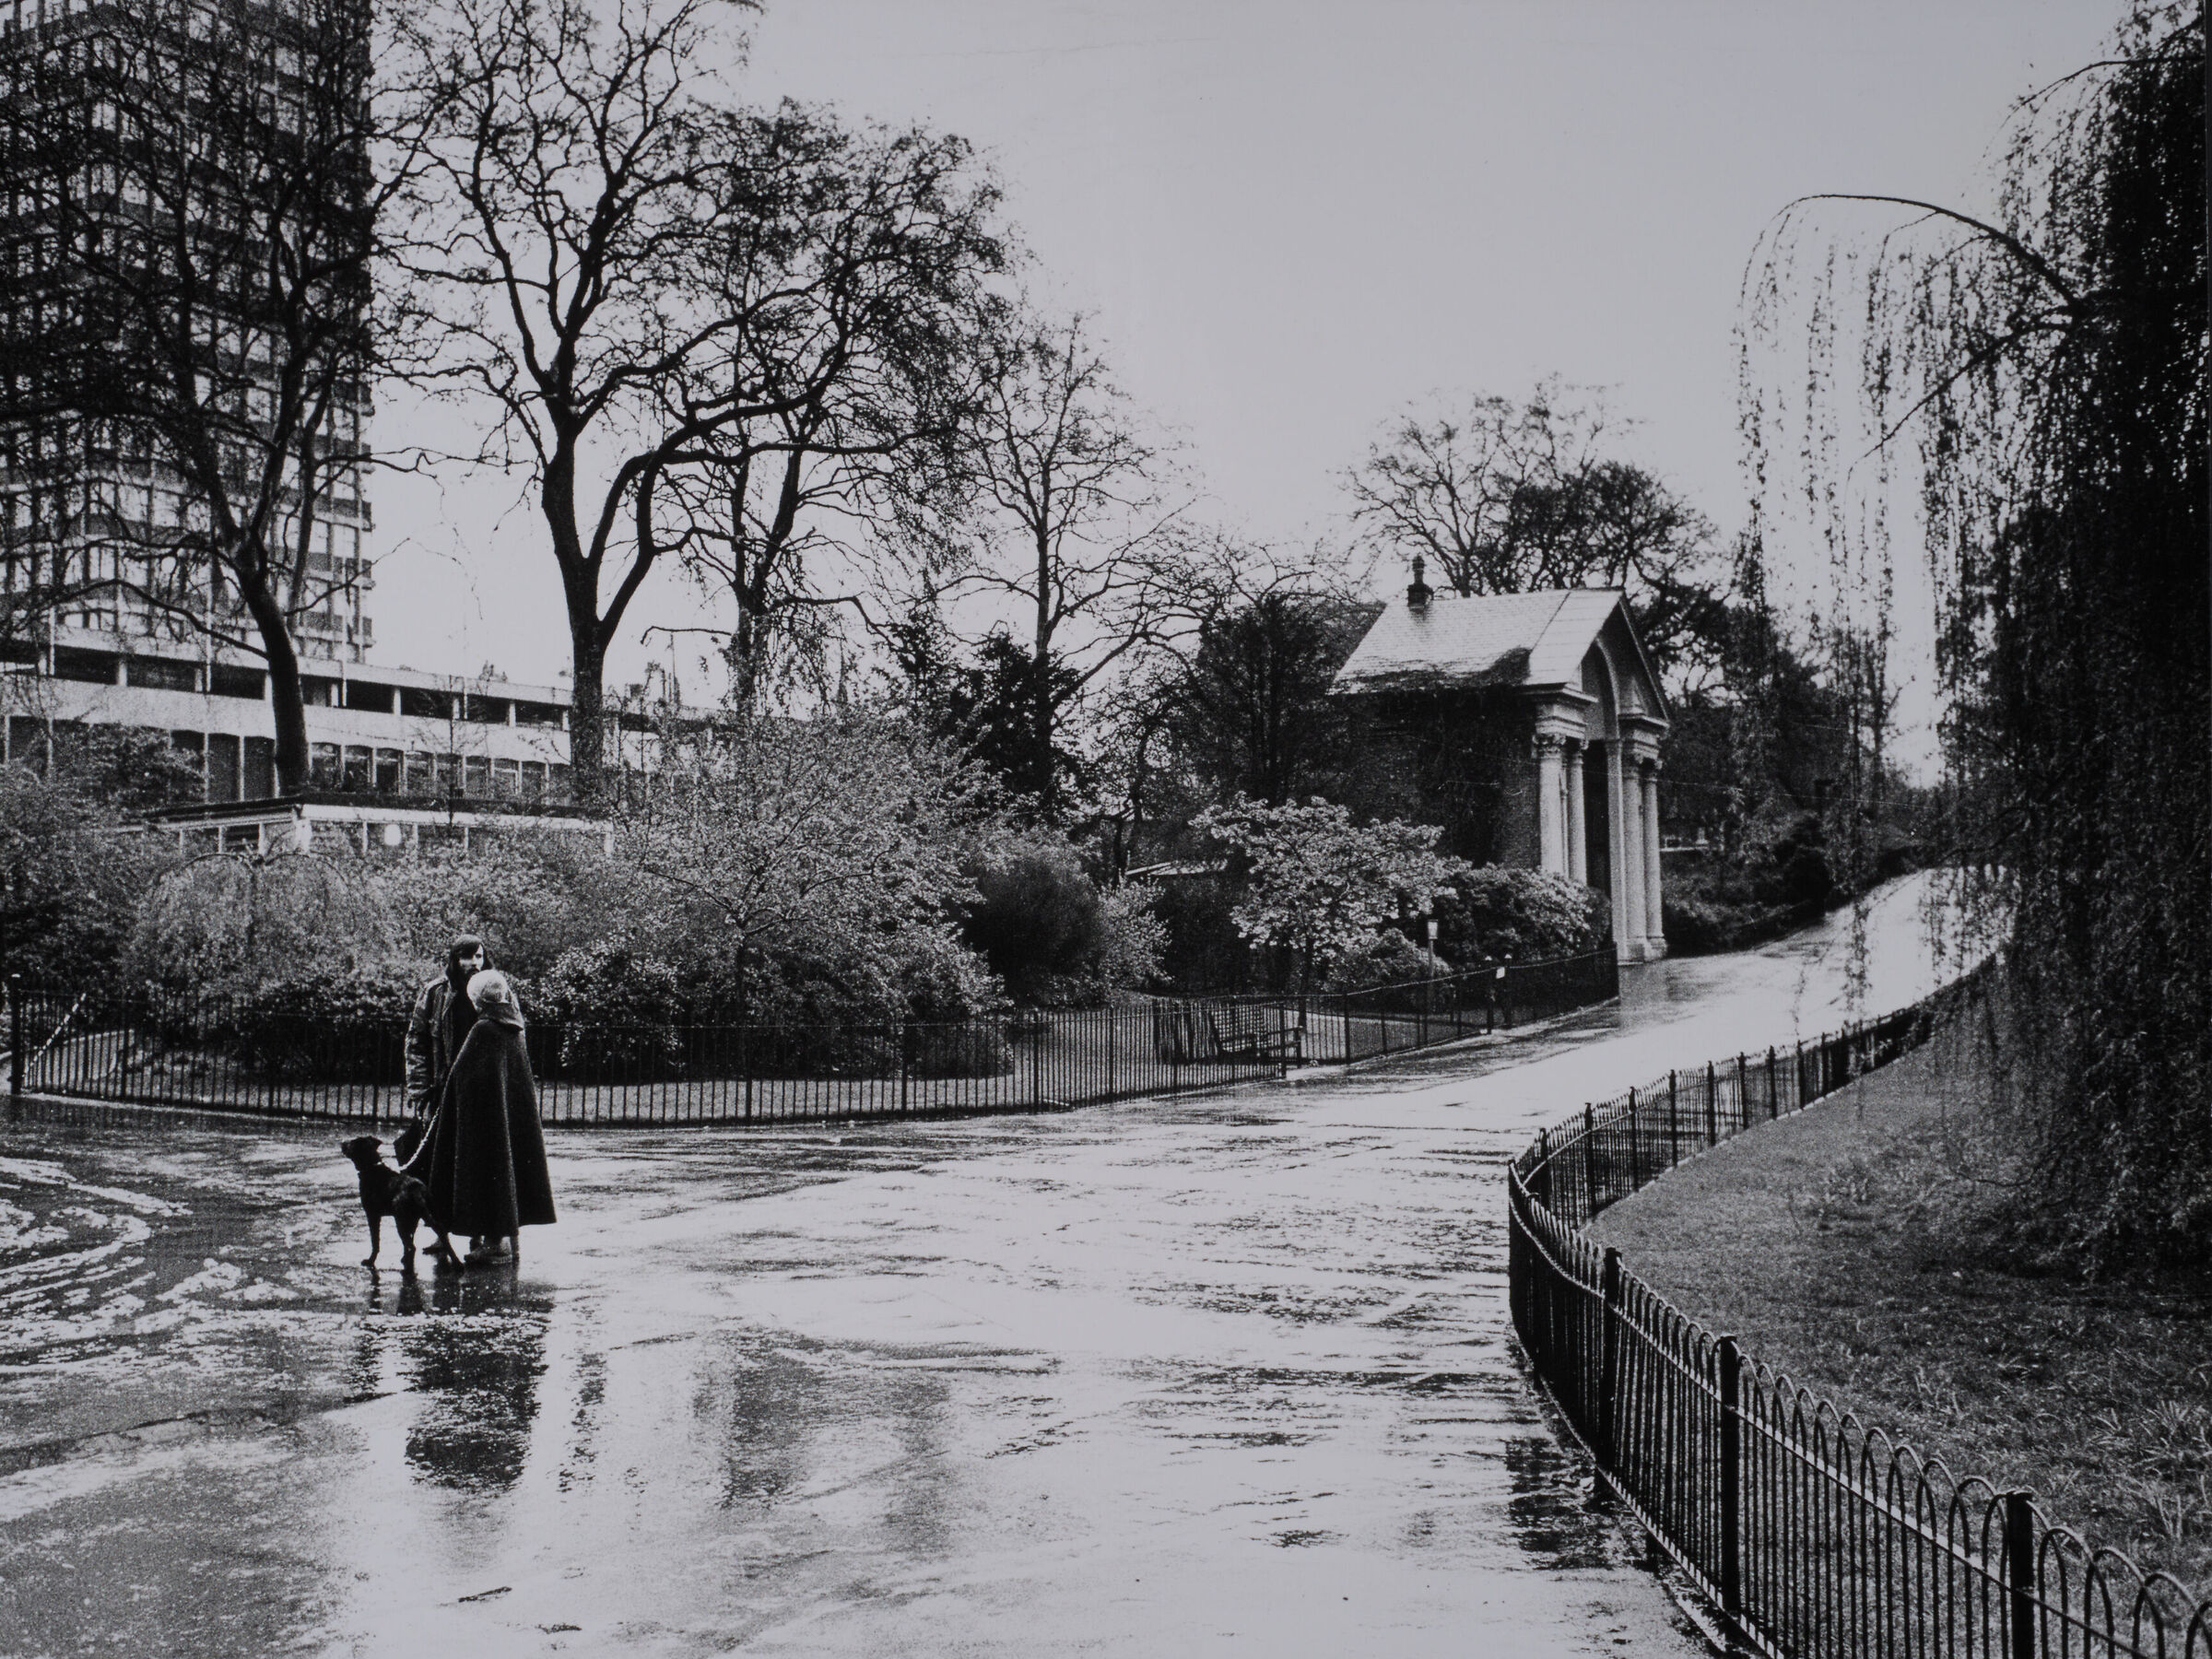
(1204, 952)
(1390, 959)
(1036, 919)
(615, 1011)
(1714, 904)
(1797, 873)
(324, 1024)
(970, 1049)
(1504, 914)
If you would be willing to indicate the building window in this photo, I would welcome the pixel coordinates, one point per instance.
(389, 764)
(360, 763)
(261, 768)
(533, 780)
(159, 674)
(322, 765)
(422, 772)
(94, 667)
(475, 777)
(368, 695)
(506, 779)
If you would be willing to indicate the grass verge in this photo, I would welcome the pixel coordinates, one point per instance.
(1858, 1247)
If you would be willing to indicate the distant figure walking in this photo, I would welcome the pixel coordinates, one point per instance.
(486, 1154)
(440, 1022)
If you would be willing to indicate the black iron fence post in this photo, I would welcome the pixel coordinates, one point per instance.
(906, 1063)
(1589, 1163)
(1712, 1110)
(1732, 1453)
(1673, 1121)
(15, 1036)
(2019, 1574)
(1609, 1357)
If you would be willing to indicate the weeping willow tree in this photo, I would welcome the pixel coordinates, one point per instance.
(2026, 387)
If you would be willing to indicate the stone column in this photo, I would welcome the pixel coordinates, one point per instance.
(1624, 931)
(1628, 925)
(1578, 820)
(1654, 928)
(1551, 844)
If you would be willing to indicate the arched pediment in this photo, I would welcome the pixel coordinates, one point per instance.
(1541, 643)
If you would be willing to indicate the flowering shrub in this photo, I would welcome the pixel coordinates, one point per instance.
(1320, 885)
(1503, 915)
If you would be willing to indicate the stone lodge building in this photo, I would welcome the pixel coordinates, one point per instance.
(1557, 722)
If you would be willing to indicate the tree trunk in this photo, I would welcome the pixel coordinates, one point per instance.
(587, 712)
(587, 646)
(284, 687)
(1041, 770)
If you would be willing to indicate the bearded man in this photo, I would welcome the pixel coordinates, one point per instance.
(439, 1023)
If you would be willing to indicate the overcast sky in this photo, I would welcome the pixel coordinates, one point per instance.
(1292, 219)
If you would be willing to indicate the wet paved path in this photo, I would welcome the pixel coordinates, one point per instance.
(1219, 1375)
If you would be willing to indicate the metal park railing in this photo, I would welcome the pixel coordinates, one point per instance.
(1339, 1027)
(1811, 1534)
(247, 1054)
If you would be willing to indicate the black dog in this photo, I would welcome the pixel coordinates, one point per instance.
(387, 1191)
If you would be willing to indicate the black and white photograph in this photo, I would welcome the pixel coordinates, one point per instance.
(1308, 828)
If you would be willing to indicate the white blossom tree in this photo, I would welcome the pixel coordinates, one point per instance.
(1319, 884)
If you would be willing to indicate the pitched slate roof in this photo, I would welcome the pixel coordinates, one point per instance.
(1531, 639)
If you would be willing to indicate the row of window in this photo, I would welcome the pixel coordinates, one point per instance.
(236, 768)
(362, 769)
(320, 691)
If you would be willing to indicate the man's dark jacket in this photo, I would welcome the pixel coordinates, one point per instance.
(435, 1030)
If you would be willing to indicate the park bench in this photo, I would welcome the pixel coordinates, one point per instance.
(1251, 1031)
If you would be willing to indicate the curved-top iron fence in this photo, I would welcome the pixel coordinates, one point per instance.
(254, 1055)
(1809, 1532)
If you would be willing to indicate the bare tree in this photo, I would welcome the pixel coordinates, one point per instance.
(191, 212)
(882, 242)
(571, 180)
(1512, 498)
(1071, 523)
(643, 281)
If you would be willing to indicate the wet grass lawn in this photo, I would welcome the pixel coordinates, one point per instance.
(1851, 1247)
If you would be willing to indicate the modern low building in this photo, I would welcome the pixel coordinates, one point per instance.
(390, 732)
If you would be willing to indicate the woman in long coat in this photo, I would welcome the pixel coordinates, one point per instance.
(487, 1175)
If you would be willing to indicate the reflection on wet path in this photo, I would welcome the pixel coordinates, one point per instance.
(1188, 1376)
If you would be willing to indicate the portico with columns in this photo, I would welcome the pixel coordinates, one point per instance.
(1564, 666)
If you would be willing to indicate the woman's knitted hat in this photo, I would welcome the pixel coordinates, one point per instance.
(494, 997)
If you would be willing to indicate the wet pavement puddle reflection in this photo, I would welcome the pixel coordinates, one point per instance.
(1218, 1374)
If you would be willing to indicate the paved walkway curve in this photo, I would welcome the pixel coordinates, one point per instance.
(1218, 1375)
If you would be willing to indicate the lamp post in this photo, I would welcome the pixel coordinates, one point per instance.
(1428, 996)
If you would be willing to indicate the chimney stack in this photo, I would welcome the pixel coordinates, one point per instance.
(1419, 593)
